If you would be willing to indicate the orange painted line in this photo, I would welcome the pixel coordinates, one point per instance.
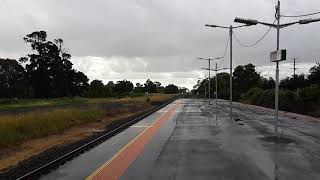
(120, 162)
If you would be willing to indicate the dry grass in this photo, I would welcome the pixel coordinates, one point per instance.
(161, 97)
(17, 128)
(21, 127)
(154, 97)
(24, 135)
(13, 155)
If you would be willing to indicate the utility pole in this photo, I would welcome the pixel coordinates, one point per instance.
(216, 86)
(209, 64)
(216, 80)
(277, 72)
(294, 67)
(209, 60)
(278, 26)
(230, 28)
(205, 88)
(230, 79)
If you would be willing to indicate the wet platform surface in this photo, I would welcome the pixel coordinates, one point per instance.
(190, 139)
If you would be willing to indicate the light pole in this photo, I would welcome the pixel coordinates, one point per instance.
(230, 37)
(278, 26)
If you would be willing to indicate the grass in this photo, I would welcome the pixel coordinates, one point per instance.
(160, 97)
(153, 97)
(18, 128)
(15, 128)
(20, 103)
(52, 102)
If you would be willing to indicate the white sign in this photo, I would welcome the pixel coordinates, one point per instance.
(280, 55)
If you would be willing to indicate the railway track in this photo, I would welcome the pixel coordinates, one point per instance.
(106, 135)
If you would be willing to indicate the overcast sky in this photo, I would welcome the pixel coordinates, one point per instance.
(158, 39)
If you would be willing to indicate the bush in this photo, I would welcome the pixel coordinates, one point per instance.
(301, 101)
(310, 94)
(288, 100)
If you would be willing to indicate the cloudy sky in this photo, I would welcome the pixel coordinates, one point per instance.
(158, 39)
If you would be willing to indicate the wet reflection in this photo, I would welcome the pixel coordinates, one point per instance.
(213, 117)
(276, 166)
(276, 171)
(216, 120)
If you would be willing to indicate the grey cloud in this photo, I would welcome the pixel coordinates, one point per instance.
(154, 36)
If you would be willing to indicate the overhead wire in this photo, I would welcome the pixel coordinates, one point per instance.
(225, 51)
(251, 45)
(302, 15)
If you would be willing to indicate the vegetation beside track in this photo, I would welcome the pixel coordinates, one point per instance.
(304, 101)
(16, 128)
(134, 98)
(22, 127)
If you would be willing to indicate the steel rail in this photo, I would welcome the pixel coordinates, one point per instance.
(80, 149)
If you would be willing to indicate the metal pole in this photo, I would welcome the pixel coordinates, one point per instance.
(205, 88)
(277, 73)
(230, 34)
(209, 81)
(216, 86)
(294, 67)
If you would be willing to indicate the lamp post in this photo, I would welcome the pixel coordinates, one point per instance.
(230, 37)
(278, 26)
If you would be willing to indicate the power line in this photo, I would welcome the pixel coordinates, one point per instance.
(225, 51)
(245, 45)
(302, 15)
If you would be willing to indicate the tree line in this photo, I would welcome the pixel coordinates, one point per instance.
(298, 93)
(124, 88)
(245, 77)
(48, 73)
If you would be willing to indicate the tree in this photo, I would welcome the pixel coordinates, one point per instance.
(314, 77)
(139, 88)
(96, 89)
(110, 88)
(294, 82)
(171, 89)
(123, 88)
(79, 82)
(183, 90)
(160, 89)
(13, 81)
(266, 83)
(50, 69)
(223, 85)
(245, 77)
(150, 87)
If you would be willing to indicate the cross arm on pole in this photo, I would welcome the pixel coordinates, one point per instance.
(215, 26)
(215, 69)
(250, 22)
(222, 69)
(241, 26)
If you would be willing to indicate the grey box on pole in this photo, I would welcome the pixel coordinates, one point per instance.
(279, 55)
